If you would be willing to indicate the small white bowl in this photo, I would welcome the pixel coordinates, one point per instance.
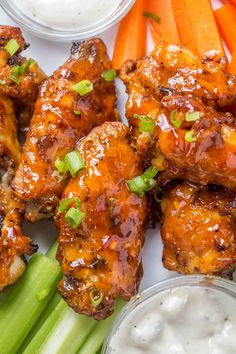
(225, 286)
(65, 35)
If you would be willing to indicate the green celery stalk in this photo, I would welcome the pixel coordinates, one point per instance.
(25, 301)
(63, 331)
(95, 340)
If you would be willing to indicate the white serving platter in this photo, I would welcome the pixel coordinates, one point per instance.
(50, 55)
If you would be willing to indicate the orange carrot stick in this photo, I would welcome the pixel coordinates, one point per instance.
(232, 64)
(203, 27)
(165, 30)
(226, 20)
(184, 25)
(131, 38)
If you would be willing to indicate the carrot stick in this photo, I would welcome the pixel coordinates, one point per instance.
(232, 64)
(131, 38)
(184, 25)
(198, 16)
(226, 20)
(165, 30)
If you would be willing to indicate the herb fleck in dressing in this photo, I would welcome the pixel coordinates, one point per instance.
(67, 13)
(185, 320)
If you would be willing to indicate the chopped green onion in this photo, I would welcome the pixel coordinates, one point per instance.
(146, 126)
(14, 74)
(109, 75)
(66, 203)
(77, 113)
(150, 173)
(141, 117)
(74, 162)
(12, 46)
(61, 166)
(191, 136)
(176, 121)
(160, 191)
(96, 297)
(143, 183)
(24, 67)
(192, 116)
(137, 185)
(3, 82)
(83, 87)
(151, 15)
(74, 217)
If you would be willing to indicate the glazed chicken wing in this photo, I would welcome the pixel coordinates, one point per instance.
(61, 117)
(101, 258)
(199, 229)
(19, 78)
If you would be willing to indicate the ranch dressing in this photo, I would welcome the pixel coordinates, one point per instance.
(67, 13)
(185, 320)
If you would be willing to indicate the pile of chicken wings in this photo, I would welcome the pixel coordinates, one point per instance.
(100, 180)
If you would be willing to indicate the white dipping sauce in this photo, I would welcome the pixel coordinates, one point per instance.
(185, 320)
(67, 13)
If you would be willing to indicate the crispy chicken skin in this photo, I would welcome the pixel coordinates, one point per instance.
(174, 69)
(56, 127)
(210, 157)
(102, 256)
(199, 229)
(25, 92)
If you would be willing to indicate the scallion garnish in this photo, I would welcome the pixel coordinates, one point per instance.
(14, 74)
(192, 116)
(24, 67)
(151, 15)
(65, 204)
(83, 87)
(61, 166)
(146, 126)
(191, 136)
(12, 47)
(74, 217)
(109, 75)
(176, 118)
(96, 297)
(77, 113)
(141, 184)
(74, 162)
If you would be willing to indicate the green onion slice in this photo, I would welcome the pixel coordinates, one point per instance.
(12, 47)
(14, 74)
(109, 75)
(140, 184)
(96, 297)
(24, 67)
(175, 118)
(65, 204)
(142, 117)
(61, 166)
(74, 162)
(192, 116)
(191, 136)
(146, 126)
(151, 15)
(83, 87)
(77, 113)
(74, 217)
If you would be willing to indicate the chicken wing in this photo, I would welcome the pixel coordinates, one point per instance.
(199, 229)
(174, 69)
(101, 258)
(61, 117)
(19, 78)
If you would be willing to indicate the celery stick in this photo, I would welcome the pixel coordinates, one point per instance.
(51, 253)
(25, 302)
(63, 331)
(95, 340)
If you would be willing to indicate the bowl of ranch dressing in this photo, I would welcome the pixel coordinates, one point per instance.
(66, 20)
(184, 315)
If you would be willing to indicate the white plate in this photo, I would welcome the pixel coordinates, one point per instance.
(50, 55)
